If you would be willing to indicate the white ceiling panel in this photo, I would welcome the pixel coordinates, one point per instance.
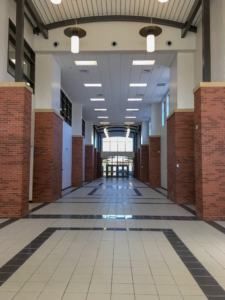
(115, 72)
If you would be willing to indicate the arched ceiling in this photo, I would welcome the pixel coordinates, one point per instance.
(173, 10)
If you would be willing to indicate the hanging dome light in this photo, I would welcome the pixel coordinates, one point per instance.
(150, 32)
(75, 33)
(56, 1)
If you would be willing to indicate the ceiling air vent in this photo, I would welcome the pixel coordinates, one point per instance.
(161, 84)
(84, 71)
(100, 96)
(139, 95)
(146, 71)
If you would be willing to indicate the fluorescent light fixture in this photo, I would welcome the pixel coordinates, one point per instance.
(100, 109)
(103, 117)
(128, 123)
(85, 63)
(163, 1)
(130, 117)
(143, 62)
(97, 99)
(132, 109)
(134, 99)
(92, 84)
(104, 122)
(138, 84)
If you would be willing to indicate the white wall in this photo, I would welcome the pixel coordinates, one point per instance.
(182, 73)
(156, 118)
(126, 34)
(89, 133)
(164, 156)
(67, 155)
(8, 11)
(48, 82)
(198, 56)
(217, 40)
(77, 119)
(145, 133)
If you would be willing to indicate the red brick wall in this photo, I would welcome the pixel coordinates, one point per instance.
(135, 165)
(138, 164)
(95, 163)
(47, 183)
(210, 153)
(181, 151)
(99, 165)
(89, 163)
(144, 163)
(15, 141)
(77, 161)
(154, 162)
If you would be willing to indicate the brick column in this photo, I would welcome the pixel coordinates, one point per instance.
(77, 160)
(47, 184)
(89, 163)
(99, 165)
(210, 150)
(135, 164)
(155, 161)
(144, 163)
(181, 156)
(138, 164)
(95, 163)
(15, 142)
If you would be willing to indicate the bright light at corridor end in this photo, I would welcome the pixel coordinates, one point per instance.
(56, 1)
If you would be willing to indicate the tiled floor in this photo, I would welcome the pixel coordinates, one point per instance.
(112, 240)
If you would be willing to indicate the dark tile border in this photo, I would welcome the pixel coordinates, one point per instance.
(216, 226)
(8, 222)
(92, 192)
(38, 207)
(204, 279)
(137, 192)
(116, 217)
(114, 202)
(188, 209)
(159, 192)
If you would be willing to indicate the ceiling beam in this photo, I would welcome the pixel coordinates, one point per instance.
(191, 17)
(94, 19)
(35, 15)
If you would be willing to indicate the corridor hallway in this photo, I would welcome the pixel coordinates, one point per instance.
(112, 239)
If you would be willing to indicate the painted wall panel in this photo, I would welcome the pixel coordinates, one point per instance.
(67, 156)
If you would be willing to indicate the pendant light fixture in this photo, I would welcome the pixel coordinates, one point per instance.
(75, 33)
(163, 1)
(56, 1)
(150, 32)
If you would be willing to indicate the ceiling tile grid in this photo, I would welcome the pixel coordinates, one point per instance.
(175, 10)
(115, 72)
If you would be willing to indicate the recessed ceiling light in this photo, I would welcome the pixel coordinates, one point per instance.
(130, 117)
(100, 109)
(56, 1)
(92, 84)
(86, 63)
(128, 123)
(134, 99)
(104, 123)
(132, 109)
(97, 99)
(103, 117)
(138, 84)
(143, 62)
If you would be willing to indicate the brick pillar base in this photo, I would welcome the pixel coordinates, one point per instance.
(144, 163)
(15, 141)
(89, 163)
(47, 184)
(77, 160)
(135, 164)
(99, 165)
(181, 157)
(138, 164)
(154, 161)
(95, 163)
(210, 151)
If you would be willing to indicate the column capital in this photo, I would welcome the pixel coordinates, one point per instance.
(209, 85)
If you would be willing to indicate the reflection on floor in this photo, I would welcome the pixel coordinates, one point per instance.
(112, 240)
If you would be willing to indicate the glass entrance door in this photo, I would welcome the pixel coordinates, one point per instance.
(117, 171)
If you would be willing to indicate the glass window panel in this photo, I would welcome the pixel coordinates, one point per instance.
(12, 53)
(26, 68)
(106, 146)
